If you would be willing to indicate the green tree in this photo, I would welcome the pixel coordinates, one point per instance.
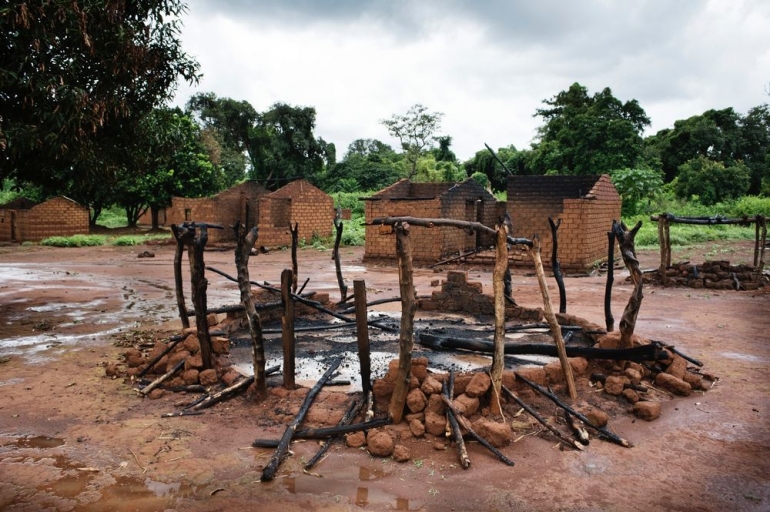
(74, 74)
(415, 131)
(368, 164)
(485, 163)
(635, 185)
(711, 181)
(754, 146)
(586, 134)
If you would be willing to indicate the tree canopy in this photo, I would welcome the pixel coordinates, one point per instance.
(75, 73)
(416, 131)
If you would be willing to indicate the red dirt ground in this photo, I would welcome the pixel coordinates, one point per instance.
(71, 439)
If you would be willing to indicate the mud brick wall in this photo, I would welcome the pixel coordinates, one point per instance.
(298, 202)
(59, 216)
(457, 294)
(714, 275)
(381, 240)
(586, 205)
(471, 202)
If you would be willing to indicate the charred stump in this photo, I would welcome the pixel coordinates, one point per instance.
(628, 252)
(287, 330)
(498, 285)
(338, 225)
(609, 320)
(362, 331)
(556, 266)
(196, 244)
(182, 237)
(294, 241)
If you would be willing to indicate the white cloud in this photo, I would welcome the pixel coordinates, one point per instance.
(486, 65)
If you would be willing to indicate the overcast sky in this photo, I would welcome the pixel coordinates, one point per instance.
(486, 64)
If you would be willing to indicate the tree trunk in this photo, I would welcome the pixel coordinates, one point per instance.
(199, 286)
(627, 250)
(182, 237)
(408, 307)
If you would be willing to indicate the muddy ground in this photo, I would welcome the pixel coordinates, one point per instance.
(71, 439)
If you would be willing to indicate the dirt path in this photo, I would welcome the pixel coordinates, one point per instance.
(71, 439)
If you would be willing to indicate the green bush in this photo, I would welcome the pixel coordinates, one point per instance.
(128, 240)
(113, 217)
(354, 231)
(75, 241)
(350, 200)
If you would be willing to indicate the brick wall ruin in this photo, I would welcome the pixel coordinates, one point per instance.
(24, 221)
(467, 201)
(298, 202)
(586, 205)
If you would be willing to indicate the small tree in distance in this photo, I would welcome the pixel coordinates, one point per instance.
(415, 131)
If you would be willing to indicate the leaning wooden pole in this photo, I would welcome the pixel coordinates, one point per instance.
(609, 320)
(338, 225)
(498, 286)
(294, 242)
(556, 266)
(457, 434)
(534, 254)
(406, 333)
(362, 331)
(178, 281)
(628, 252)
(287, 330)
(283, 447)
(245, 240)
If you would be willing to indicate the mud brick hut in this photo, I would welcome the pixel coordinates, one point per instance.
(224, 209)
(466, 201)
(23, 220)
(298, 202)
(586, 205)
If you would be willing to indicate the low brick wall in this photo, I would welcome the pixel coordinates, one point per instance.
(714, 275)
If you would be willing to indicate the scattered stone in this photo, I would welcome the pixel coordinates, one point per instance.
(401, 453)
(415, 416)
(146, 254)
(436, 404)
(478, 385)
(192, 344)
(416, 400)
(417, 428)
(536, 375)
(175, 357)
(156, 393)
(498, 434)
(633, 375)
(195, 361)
(631, 395)
(380, 444)
(554, 372)
(435, 423)
(468, 405)
(112, 370)
(678, 367)
(208, 377)
(578, 364)
(355, 440)
(229, 378)
(134, 358)
(430, 386)
(439, 445)
(212, 319)
(647, 411)
(614, 385)
(674, 385)
(595, 415)
(190, 376)
(220, 345)
(695, 381)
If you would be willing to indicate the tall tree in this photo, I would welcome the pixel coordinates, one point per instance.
(74, 72)
(754, 147)
(586, 134)
(497, 176)
(415, 131)
(368, 164)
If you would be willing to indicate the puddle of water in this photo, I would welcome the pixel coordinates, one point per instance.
(30, 345)
(37, 442)
(352, 482)
(143, 495)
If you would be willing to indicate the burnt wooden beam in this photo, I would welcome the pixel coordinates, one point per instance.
(287, 330)
(338, 225)
(703, 221)
(362, 332)
(430, 223)
(195, 246)
(166, 350)
(350, 413)
(294, 242)
(556, 266)
(464, 423)
(323, 433)
(181, 237)
(609, 320)
(457, 434)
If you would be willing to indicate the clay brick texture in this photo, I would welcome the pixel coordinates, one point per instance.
(298, 202)
(586, 206)
(24, 221)
(467, 201)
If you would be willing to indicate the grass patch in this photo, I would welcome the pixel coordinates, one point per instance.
(113, 217)
(75, 241)
(128, 240)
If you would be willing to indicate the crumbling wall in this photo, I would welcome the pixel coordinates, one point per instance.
(714, 275)
(59, 216)
(298, 202)
(380, 240)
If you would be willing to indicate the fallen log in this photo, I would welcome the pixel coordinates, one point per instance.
(346, 419)
(269, 472)
(457, 435)
(679, 353)
(160, 380)
(650, 352)
(510, 394)
(603, 431)
(181, 413)
(467, 426)
(323, 433)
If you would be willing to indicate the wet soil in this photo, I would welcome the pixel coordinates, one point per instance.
(72, 439)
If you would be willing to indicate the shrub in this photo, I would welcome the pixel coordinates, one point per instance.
(75, 241)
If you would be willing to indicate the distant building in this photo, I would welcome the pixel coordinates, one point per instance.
(298, 202)
(467, 201)
(23, 220)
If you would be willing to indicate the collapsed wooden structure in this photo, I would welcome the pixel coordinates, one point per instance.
(193, 237)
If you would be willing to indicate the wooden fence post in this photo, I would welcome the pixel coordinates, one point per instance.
(287, 329)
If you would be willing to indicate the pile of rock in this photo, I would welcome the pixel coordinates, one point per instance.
(715, 275)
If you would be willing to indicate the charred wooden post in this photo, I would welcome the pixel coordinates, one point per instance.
(457, 434)
(346, 419)
(534, 254)
(287, 330)
(664, 241)
(242, 385)
(543, 421)
(245, 240)
(294, 241)
(199, 285)
(628, 252)
(336, 257)
(181, 237)
(269, 472)
(609, 320)
(498, 276)
(325, 432)
(556, 266)
(163, 378)
(362, 331)
(406, 333)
